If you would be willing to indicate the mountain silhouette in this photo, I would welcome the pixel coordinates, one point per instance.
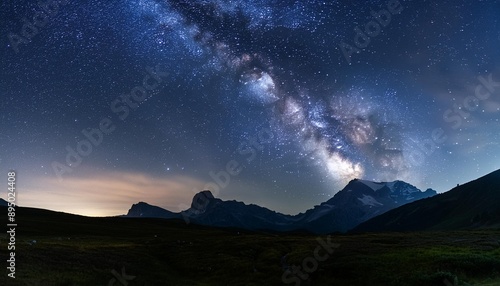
(472, 205)
(357, 202)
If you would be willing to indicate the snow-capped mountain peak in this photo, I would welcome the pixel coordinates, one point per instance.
(373, 185)
(357, 202)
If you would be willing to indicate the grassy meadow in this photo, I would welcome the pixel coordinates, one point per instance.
(74, 250)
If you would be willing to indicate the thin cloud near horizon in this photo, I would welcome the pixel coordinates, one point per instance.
(108, 194)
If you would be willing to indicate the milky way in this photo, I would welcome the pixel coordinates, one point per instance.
(330, 131)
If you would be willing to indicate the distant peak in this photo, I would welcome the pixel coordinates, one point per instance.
(201, 200)
(207, 194)
(140, 205)
(429, 190)
(373, 185)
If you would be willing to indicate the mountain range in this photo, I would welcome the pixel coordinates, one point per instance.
(473, 205)
(358, 201)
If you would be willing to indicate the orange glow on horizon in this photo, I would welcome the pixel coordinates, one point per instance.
(108, 194)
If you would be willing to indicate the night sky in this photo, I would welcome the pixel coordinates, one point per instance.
(273, 102)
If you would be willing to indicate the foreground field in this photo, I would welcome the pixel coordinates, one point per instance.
(73, 250)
